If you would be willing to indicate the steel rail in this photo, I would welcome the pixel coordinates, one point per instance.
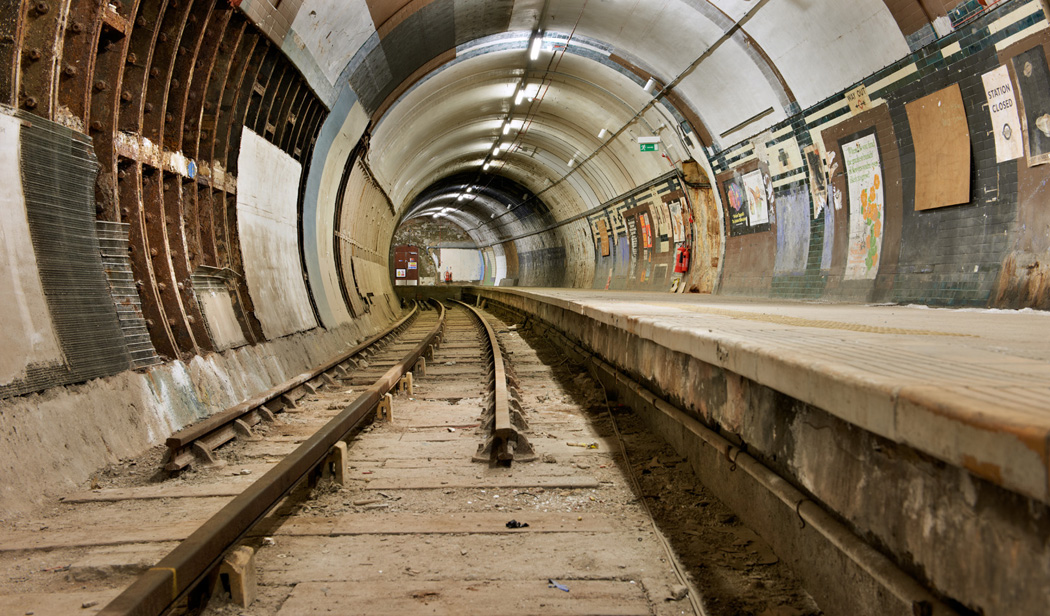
(218, 428)
(505, 437)
(191, 561)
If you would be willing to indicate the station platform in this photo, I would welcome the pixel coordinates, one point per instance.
(970, 387)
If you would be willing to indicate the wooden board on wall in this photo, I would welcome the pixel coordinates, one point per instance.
(603, 232)
(942, 149)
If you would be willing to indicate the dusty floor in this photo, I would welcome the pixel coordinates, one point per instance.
(422, 529)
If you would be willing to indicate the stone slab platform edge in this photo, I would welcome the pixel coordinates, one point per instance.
(1008, 447)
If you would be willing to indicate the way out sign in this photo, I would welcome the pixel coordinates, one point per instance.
(649, 144)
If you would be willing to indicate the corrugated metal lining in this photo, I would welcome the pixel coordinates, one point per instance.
(113, 241)
(58, 178)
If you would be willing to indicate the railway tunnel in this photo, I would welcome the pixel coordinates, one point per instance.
(806, 241)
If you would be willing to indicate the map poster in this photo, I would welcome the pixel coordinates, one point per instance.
(737, 199)
(1002, 107)
(757, 206)
(866, 206)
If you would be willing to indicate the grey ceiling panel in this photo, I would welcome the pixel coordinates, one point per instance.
(424, 35)
(480, 18)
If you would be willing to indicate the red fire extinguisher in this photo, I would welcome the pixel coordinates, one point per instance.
(681, 260)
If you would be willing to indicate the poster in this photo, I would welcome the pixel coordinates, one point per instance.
(782, 157)
(866, 205)
(647, 231)
(818, 187)
(661, 225)
(677, 227)
(737, 200)
(632, 234)
(757, 206)
(400, 273)
(1033, 83)
(1002, 107)
(411, 264)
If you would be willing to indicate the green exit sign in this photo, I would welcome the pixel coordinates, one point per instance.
(648, 147)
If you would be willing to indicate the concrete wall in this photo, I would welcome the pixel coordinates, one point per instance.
(267, 222)
(67, 433)
(26, 332)
(364, 231)
(465, 264)
(339, 135)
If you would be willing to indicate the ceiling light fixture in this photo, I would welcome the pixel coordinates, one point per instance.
(534, 48)
(496, 150)
(506, 127)
(650, 85)
(602, 133)
(521, 95)
(486, 166)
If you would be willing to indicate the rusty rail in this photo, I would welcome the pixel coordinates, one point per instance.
(502, 415)
(198, 440)
(190, 562)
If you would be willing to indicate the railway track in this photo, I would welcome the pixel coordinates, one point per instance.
(313, 513)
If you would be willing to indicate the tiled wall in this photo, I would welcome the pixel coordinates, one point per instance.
(946, 256)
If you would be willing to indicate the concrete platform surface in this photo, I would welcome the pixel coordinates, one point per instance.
(968, 386)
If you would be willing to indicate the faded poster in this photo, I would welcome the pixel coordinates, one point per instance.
(793, 231)
(818, 186)
(677, 228)
(757, 206)
(1033, 82)
(1002, 107)
(632, 233)
(866, 205)
(647, 231)
(661, 226)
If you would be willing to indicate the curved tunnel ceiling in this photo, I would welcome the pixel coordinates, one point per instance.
(437, 80)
